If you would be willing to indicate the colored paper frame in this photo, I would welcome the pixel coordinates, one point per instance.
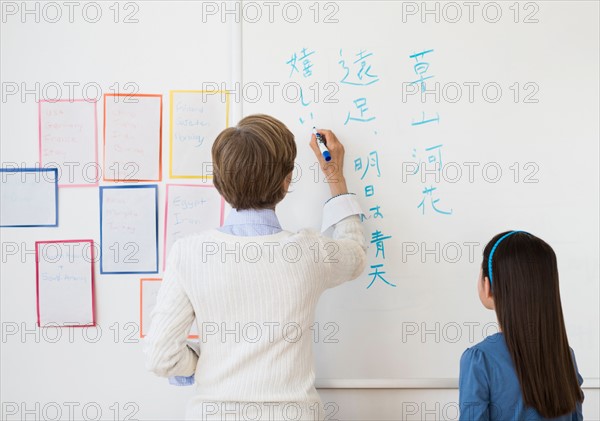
(142, 280)
(95, 138)
(171, 95)
(221, 219)
(37, 279)
(141, 186)
(159, 139)
(55, 170)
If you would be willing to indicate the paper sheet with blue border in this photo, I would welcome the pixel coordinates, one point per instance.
(129, 229)
(29, 197)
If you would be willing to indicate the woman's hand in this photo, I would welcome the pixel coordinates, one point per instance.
(334, 169)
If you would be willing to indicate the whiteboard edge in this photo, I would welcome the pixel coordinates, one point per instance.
(236, 78)
(439, 383)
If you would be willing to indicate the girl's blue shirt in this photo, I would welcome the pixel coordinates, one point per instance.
(489, 388)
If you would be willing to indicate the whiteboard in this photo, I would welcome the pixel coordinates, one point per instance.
(518, 151)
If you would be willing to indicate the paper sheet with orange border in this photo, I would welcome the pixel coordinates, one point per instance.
(132, 138)
(148, 293)
(196, 118)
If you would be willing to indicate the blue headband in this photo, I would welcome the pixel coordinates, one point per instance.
(494, 249)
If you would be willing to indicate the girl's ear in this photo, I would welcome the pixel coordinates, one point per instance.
(487, 288)
(484, 289)
(488, 296)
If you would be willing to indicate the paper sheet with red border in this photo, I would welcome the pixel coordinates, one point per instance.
(65, 283)
(148, 293)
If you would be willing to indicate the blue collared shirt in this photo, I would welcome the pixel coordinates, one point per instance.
(251, 222)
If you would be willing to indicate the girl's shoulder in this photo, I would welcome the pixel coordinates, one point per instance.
(492, 343)
(491, 348)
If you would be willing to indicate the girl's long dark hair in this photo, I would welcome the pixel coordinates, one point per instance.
(527, 302)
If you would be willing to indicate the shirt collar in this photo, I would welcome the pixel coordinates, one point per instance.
(253, 217)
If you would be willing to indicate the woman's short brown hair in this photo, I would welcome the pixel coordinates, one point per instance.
(251, 161)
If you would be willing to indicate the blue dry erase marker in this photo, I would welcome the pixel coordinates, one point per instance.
(322, 147)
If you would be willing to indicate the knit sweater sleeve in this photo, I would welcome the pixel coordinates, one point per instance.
(344, 254)
(165, 345)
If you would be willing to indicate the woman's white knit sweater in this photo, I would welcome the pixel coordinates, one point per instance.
(254, 299)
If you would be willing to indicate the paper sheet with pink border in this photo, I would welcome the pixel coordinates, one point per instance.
(190, 209)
